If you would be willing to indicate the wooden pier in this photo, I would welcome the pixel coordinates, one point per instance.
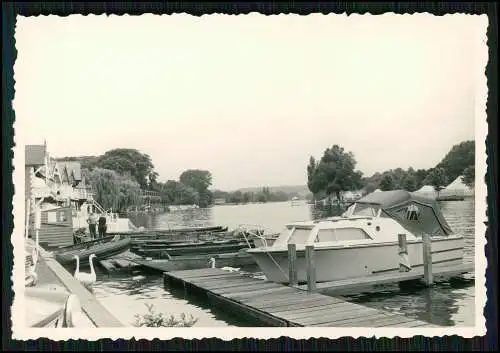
(390, 277)
(277, 305)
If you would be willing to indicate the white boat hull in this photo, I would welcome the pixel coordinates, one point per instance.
(337, 263)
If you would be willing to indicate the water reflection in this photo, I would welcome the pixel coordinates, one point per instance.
(447, 303)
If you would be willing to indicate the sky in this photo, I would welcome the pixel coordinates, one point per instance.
(249, 98)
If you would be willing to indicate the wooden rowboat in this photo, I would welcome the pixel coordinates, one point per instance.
(179, 263)
(190, 248)
(147, 233)
(103, 248)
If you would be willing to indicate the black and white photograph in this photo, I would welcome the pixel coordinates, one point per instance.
(249, 176)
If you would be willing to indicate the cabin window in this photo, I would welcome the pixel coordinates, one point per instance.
(341, 234)
(299, 236)
(326, 235)
(365, 210)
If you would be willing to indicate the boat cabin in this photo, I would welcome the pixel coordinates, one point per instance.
(378, 217)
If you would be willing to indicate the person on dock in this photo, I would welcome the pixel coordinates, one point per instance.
(92, 221)
(102, 226)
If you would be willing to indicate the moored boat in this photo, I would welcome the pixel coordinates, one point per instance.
(103, 248)
(364, 241)
(237, 259)
(193, 248)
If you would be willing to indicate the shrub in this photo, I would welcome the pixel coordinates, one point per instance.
(154, 319)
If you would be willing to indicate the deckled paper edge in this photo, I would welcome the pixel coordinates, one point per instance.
(226, 333)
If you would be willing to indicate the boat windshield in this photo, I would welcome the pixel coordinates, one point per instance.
(299, 236)
(363, 209)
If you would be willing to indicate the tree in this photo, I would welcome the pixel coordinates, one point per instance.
(129, 192)
(311, 169)
(410, 183)
(236, 197)
(420, 176)
(113, 190)
(469, 176)
(200, 181)
(387, 182)
(169, 192)
(437, 178)
(125, 160)
(176, 193)
(334, 173)
(247, 197)
(457, 159)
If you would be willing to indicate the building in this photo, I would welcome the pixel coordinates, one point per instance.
(58, 190)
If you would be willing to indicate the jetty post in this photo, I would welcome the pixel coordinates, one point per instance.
(404, 263)
(311, 268)
(292, 265)
(427, 257)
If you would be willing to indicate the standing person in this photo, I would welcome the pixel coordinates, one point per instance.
(92, 224)
(102, 226)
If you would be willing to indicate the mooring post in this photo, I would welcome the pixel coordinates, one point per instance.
(427, 255)
(404, 263)
(311, 268)
(292, 265)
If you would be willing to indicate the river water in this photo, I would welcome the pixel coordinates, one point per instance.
(449, 303)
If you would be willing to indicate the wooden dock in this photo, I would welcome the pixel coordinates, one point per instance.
(274, 304)
(391, 277)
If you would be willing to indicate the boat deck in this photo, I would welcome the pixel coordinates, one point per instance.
(277, 305)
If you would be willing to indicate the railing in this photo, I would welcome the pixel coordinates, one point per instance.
(148, 193)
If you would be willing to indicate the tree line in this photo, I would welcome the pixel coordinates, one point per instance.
(118, 176)
(336, 172)
(239, 197)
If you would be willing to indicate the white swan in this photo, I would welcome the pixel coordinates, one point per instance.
(230, 269)
(87, 279)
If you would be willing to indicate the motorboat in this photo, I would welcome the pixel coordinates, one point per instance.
(364, 240)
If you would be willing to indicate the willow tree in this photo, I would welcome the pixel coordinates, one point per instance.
(112, 190)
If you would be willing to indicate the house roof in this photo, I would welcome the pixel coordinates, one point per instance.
(72, 167)
(35, 154)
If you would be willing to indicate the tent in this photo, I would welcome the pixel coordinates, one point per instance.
(427, 191)
(457, 188)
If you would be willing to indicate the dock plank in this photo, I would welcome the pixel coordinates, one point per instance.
(245, 288)
(278, 305)
(257, 293)
(295, 305)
